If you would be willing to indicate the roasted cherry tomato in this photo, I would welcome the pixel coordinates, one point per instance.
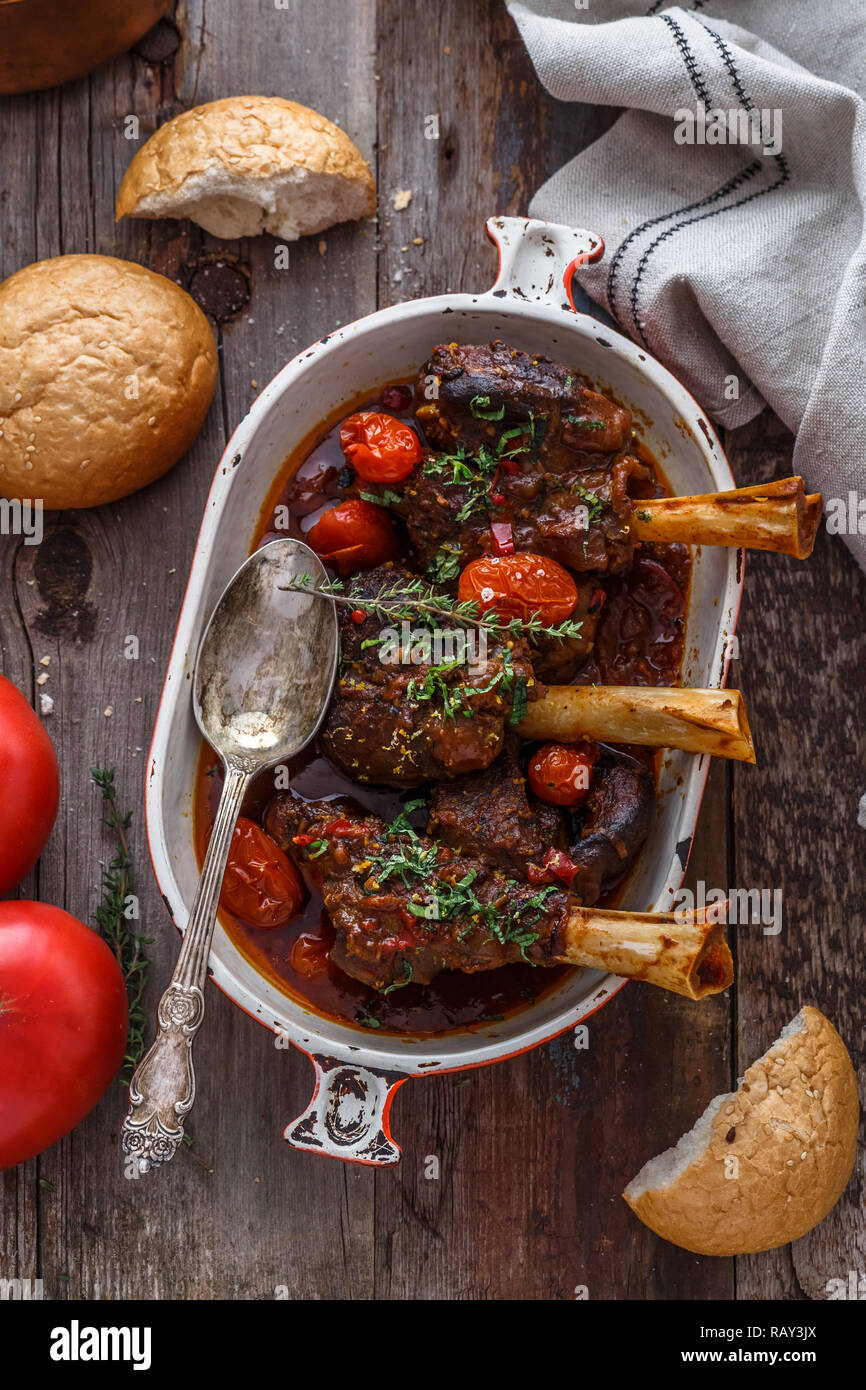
(379, 448)
(562, 772)
(355, 535)
(261, 885)
(519, 586)
(310, 955)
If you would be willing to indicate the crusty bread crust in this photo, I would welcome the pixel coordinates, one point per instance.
(791, 1126)
(106, 374)
(251, 144)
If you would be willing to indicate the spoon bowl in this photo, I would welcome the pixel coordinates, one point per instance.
(267, 660)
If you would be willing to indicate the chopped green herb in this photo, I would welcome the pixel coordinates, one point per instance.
(483, 409)
(401, 824)
(445, 564)
(316, 848)
(408, 976)
(384, 499)
(519, 703)
(582, 422)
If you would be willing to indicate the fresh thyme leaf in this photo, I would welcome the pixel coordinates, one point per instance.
(128, 946)
(644, 516)
(413, 598)
(483, 409)
(368, 1021)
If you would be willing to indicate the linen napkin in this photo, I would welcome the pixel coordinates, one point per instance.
(730, 196)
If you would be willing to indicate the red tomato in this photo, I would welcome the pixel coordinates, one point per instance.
(520, 585)
(310, 955)
(355, 535)
(63, 1023)
(29, 787)
(261, 884)
(379, 448)
(562, 772)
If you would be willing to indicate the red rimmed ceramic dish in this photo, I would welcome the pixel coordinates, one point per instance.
(530, 307)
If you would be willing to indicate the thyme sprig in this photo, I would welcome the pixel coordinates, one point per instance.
(413, 598)
(129, 946)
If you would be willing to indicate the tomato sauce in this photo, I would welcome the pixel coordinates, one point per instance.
(639, 641)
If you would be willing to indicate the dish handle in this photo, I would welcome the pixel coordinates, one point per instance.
(348, 1115)
(537, 259)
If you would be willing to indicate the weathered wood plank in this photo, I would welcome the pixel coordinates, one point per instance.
(802, 664)
(533, 1152)
(266, 1216)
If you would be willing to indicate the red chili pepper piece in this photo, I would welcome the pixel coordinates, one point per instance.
(560, 865)
(344, 829)
(503, 537)
(596, 600)
(302, 839)
(536, 874)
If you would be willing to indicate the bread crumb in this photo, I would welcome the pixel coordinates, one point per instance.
(402, 198)
(46, 704)
(417, 241)
(323, 246)
(42, 678)
(108, 711)
(45, 661)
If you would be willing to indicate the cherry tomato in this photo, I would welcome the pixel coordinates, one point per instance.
(63, 1022)
(310, 955)
(379, 448)
(562, 772)
(29, 783)
(519, 586)
(355, 535)
(261, 884)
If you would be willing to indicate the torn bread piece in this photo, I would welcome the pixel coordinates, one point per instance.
(765, 1163)
(250, 164)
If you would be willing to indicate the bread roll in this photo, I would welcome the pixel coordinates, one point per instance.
(250, 164)
(766, 1163)
(106, 374)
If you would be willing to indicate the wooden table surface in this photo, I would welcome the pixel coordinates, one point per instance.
(534, 1152)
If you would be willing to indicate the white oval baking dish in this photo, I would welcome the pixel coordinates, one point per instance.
(530, 307)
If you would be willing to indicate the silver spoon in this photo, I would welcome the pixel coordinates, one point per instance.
(263, 678)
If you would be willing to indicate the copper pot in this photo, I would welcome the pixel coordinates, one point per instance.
(43, 42)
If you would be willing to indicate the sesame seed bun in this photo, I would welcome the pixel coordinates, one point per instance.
(249, 164)
(106, 374)
(766, 1163)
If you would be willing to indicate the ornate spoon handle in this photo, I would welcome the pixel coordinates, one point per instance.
(162, 1089)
